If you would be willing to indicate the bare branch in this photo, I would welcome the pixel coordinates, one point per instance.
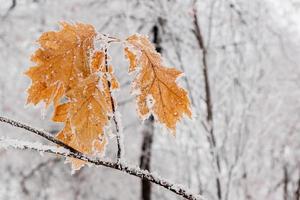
(209, 106)
(13, 5)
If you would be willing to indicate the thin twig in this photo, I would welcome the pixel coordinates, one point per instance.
(119, 153)
(208, 101)
(13, 5)
(114, 165)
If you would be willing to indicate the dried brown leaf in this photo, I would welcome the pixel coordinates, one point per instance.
(68, 69)
(159, 94)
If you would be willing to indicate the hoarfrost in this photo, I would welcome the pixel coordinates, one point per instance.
(18, 144)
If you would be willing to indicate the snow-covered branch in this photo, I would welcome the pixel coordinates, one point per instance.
(113, 107)
(17, 144)
(67, 151)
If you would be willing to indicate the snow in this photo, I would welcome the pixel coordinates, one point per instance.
(7, 143)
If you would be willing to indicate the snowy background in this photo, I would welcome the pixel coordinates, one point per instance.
(253, 63)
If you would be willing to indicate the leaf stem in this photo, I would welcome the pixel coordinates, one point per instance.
(113, 107)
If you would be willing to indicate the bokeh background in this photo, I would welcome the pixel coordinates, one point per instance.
(252, 53)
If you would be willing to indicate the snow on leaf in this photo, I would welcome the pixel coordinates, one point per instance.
(170, 101)
(69, 69)
(87, 115)
(88, 112)
(61, 61)
(98, 61)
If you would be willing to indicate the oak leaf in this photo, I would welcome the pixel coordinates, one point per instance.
(86, 111)
(159, 94)
(70, 73)
(61, 62)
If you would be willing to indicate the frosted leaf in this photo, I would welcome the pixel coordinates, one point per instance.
(159, 81)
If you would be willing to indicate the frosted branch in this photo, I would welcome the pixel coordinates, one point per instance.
(113, 106)
(17, 144)
(68, 151)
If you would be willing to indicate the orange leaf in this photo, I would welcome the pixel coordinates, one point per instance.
(66, 69)
(61, 62)
(61, 112)
(85, 116)
(159, 94)
(132, 59)
(97, 62)
(88, 112)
